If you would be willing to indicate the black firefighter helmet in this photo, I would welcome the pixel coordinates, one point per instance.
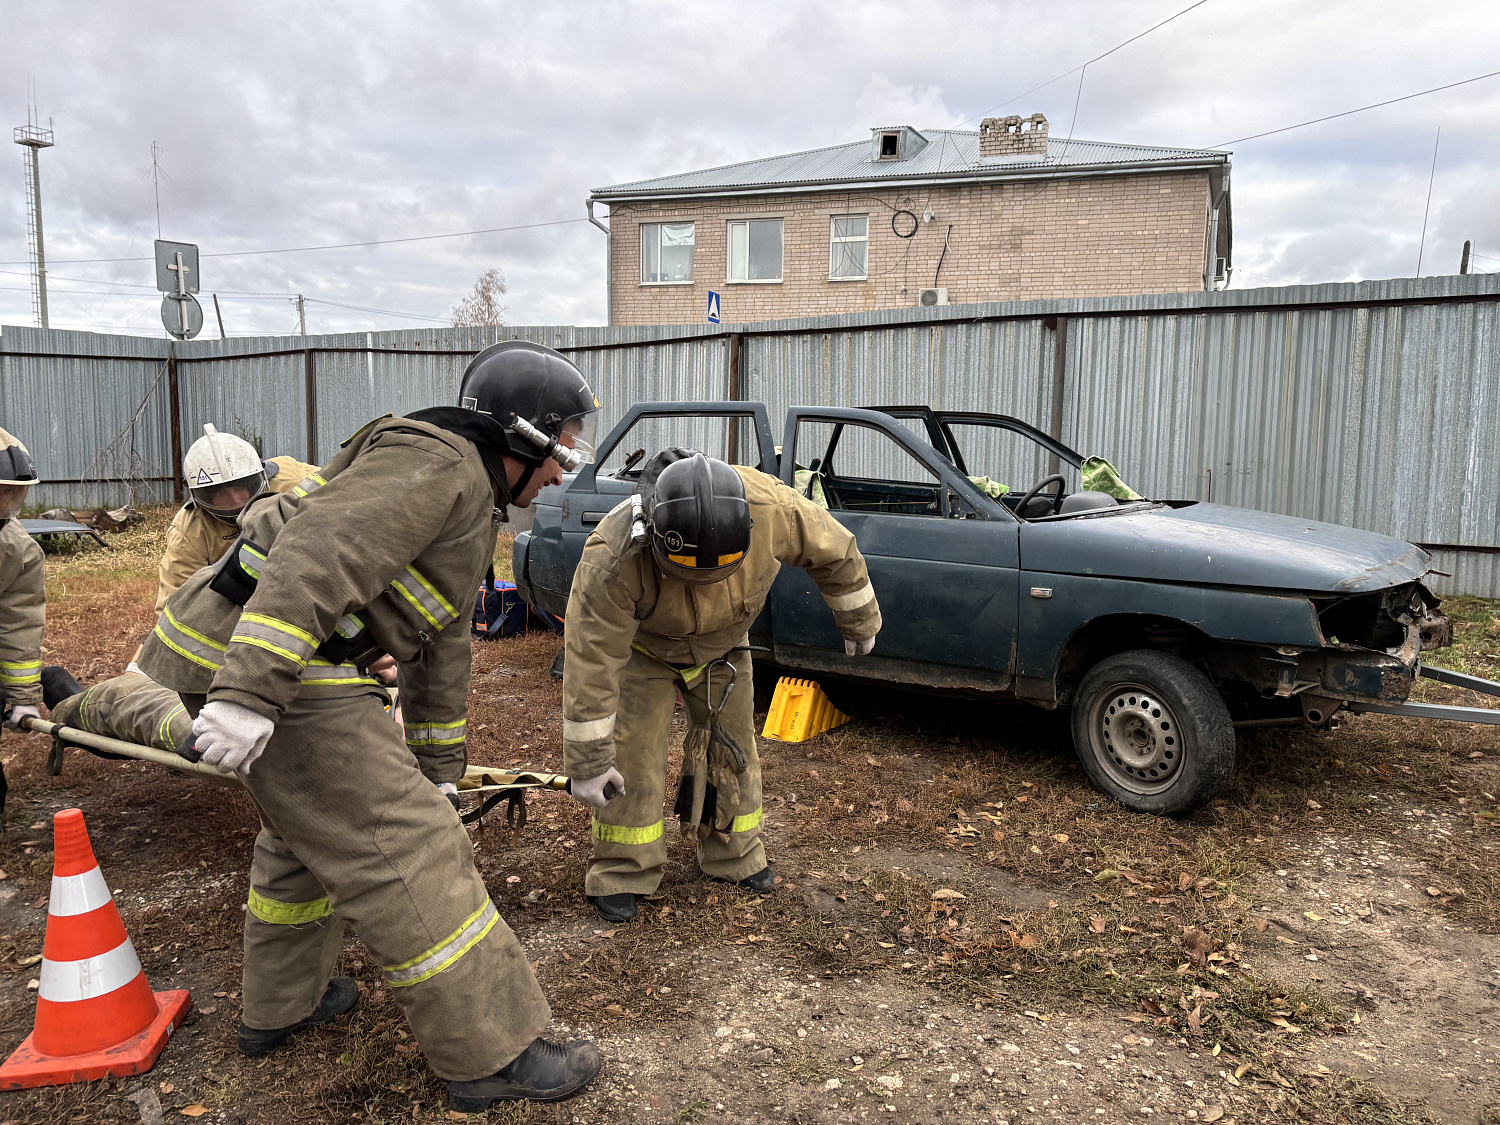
(537, 396)
(700, 520)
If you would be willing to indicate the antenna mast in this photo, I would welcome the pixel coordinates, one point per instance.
(34, 138)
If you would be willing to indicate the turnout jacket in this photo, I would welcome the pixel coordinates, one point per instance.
(618, 597)
(395, 534)
(23, 615)
(197, 539)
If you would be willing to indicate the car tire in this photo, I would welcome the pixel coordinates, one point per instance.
(1152, 732)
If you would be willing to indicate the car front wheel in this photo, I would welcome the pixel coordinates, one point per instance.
(1153, 733)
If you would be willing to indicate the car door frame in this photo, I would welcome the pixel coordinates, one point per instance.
(946, 677)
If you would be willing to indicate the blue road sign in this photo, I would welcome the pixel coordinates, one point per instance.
(713, 307)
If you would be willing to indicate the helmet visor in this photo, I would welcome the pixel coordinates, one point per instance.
(580, 432)
(227, 500)
(12, 500)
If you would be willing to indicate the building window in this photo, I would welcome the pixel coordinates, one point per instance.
(849, 248)
(890, 146)
(755, 250)
(666, 253)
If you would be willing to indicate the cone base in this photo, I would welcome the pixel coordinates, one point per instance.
(27, 1067)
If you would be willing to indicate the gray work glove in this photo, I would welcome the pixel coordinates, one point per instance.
(591, 792)
(858, 648)
(450, 790)
(20, 711)
(231, 737)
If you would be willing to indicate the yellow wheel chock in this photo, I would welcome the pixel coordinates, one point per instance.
(799, 711)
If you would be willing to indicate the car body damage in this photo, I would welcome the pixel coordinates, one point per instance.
(1044, 591)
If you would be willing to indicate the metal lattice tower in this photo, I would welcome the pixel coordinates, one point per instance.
(34, 138)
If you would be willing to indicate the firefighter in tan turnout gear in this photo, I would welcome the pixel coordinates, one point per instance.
(662, 599)
(23, 597)
(383, 556)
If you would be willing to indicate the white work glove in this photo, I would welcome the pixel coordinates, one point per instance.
(591, 792)
(20, 711)
(858, 648)
(450, 790)
(231, 737)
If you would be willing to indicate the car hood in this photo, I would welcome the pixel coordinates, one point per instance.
(1217, 545)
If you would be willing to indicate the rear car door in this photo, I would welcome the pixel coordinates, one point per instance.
(943, 557)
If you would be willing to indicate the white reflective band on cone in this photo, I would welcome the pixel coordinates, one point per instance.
(66, 981)
(77, 894)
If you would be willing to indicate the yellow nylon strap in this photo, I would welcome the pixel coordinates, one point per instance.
(624, 834)
(687, 675)
(287, 913)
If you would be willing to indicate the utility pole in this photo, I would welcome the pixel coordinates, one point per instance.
(220, 314)
(35, 138)
(301, 314)
(1463, 263)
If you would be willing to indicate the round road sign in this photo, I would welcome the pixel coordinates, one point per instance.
(182, 316)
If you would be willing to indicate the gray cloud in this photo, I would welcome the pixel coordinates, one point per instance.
(291, 126)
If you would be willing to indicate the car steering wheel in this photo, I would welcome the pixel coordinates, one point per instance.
(1057, 479)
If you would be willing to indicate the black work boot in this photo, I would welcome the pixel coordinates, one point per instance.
(616, 908)
(341, 996)
(763, 882)
(58, 684)
(544, 1072)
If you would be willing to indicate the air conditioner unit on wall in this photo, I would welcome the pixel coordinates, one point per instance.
(932, 297)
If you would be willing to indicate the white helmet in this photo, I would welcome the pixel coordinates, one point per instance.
(223, 473)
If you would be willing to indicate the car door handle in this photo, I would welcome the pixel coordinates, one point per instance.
(593, 517)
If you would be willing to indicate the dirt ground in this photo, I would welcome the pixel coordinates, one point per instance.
(964, 930)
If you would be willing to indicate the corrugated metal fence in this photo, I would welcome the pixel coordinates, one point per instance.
(1373, 404)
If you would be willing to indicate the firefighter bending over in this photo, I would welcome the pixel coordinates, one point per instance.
(662, 599)
(271, 648)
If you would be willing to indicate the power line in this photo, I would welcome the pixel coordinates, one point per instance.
(383, 312)
(1080, 66)
(332, 245)
(1361, 109)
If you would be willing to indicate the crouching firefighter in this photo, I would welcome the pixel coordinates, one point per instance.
(662, 600)
(23, 597)
(270, 647)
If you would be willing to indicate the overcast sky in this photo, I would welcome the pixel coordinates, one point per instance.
(286, 125)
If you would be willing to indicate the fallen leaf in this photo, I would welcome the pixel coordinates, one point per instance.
(1277, 1021)
(32, 960)
(1313, 804)
(943, 894)
(1061, 837)
(1476, 753)
(1106, 875)
(512, 878)
(194, 1110)
(1184, 881)
(166, 1087)
(1211, 1113)
(1311, 917)
(999, 836)
(1027, 942)
(1197, 943)
(874, 762)
(1195, 1019)
(1097, 923)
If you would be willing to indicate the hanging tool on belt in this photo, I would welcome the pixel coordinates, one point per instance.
(712, 761)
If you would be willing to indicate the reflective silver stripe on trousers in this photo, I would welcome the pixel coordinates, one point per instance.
(436, 734)
(77, 894)
(590, 730)
(64, 982)
(441, 957)
(863, 596)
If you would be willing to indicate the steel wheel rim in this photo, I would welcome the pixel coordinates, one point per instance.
(1136, 739)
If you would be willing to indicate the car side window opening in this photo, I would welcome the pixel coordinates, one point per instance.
(649, 436)
(1007, 460)
(862, 469)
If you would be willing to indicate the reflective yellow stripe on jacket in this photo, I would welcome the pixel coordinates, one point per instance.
(311, 484)
(281, 637)
(17, 673)
(322, 673)
(444, 954)
(425, 597)
(287, 913)
(188, 643)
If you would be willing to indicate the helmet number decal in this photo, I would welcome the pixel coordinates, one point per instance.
(673, 541)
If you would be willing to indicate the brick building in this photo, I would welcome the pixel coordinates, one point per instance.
(918, 217)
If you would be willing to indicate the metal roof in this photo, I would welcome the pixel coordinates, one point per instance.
(950, 154)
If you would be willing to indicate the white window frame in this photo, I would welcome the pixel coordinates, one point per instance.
(658, 224)
(729, 279)
(835, 241)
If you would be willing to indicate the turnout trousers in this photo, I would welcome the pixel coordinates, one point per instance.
(132, 707)
(630, 848)
(353, 834)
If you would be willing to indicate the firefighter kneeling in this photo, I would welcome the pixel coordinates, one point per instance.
(663, 599)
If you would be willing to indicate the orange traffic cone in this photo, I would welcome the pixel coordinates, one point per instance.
(96, 1015)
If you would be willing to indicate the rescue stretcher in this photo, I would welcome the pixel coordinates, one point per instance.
(491, 784)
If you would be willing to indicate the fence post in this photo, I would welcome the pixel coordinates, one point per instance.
(310, 385)
(736, 342)
(174, 398)
(1059, 326)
